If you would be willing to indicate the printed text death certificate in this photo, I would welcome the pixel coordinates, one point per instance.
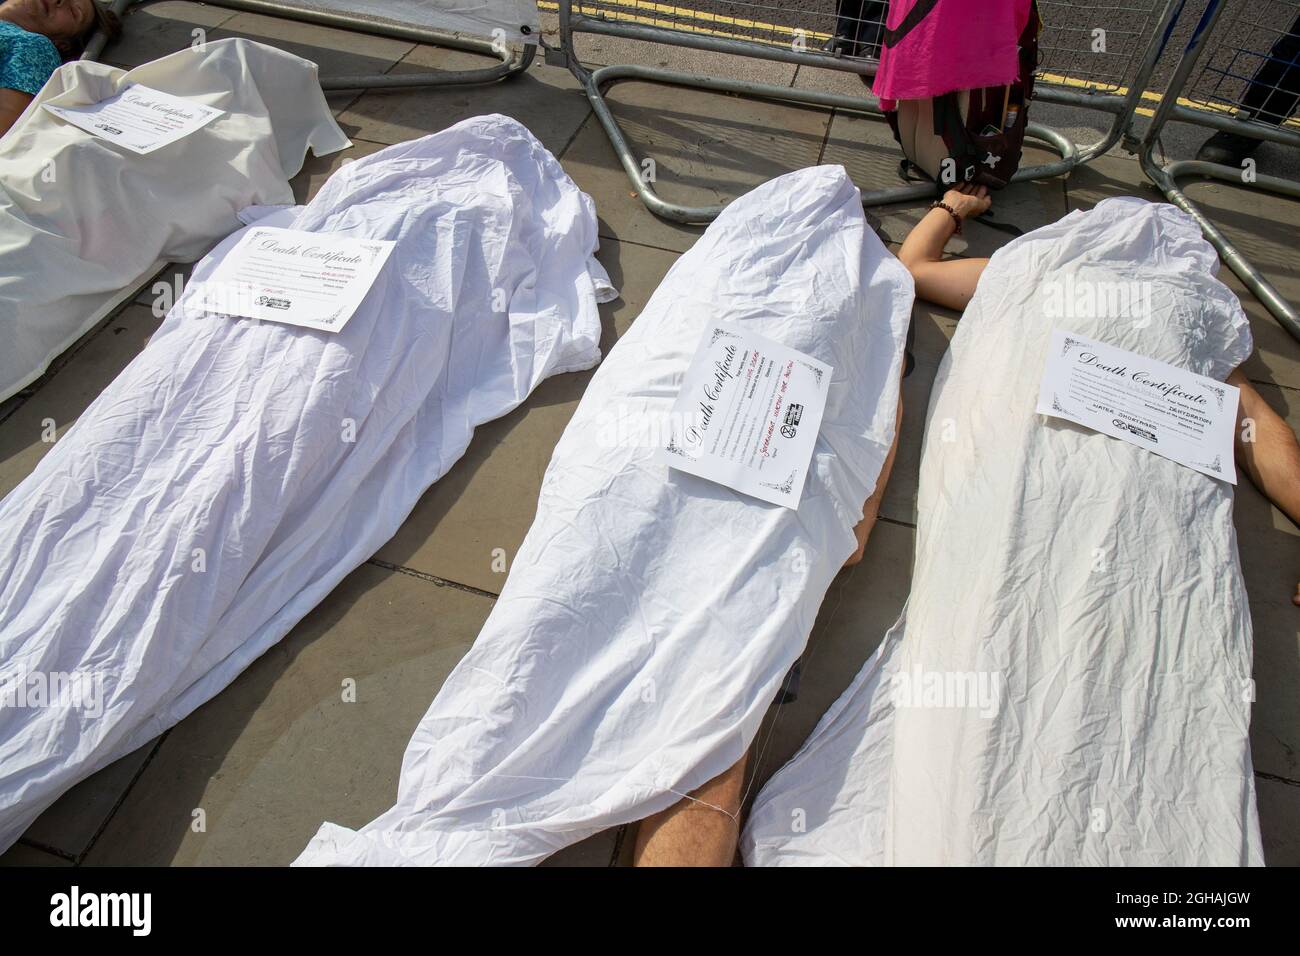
(748, 414)
(139, 118)
(1177, 414)
(316, 280)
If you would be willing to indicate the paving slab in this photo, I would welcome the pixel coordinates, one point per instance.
(280, 750)
(707, 148)
(162, 28)
(934, 328)
(20, 854)
(70, 825)
(899, 503)
(546, 99)
(866, 148)
(1279, 821)
(164, 289)
(489, 498)
(86, 371)
(863, 602)
(335, 52)
(1106, 177)
(599, 850)
(1276, 359)
(823, 80)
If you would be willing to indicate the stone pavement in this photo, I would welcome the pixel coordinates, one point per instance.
(279, 751)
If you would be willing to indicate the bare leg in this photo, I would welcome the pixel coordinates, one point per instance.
(1268, 452)
(871, 510)
(700, 830)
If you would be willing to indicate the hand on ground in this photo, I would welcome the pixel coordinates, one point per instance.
(969, 200)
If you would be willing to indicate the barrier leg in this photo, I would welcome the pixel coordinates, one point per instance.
(594, 84)
(1166, 176)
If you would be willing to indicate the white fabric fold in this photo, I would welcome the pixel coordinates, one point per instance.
(83, 221)
(236, 471)
(1082, 598)
(650, 615)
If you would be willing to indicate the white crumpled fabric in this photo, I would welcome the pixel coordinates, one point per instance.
(83, 221)
(1099, 581)
(285, 455)
(651, 615)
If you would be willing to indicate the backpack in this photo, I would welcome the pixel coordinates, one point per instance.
(981, 131)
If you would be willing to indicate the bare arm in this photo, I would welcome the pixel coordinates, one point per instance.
(1268, 452)
(948, 283)
(12, 104)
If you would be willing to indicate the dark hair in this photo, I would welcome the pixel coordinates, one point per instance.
(104, 20)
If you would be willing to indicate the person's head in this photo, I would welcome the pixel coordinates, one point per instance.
(68, 23)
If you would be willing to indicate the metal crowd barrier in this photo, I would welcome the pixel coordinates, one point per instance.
(515, 47)
(1111, 79)
(1249, 85)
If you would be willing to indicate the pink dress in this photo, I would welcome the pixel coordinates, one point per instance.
(956, 45)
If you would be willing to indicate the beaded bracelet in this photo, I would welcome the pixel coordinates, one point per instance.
(940, 204)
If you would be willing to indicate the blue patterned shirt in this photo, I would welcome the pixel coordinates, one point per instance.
(26, 59)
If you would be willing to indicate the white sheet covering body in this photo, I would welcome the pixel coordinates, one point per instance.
(281, 456)
(650, 615)
(83, 221)
(1095, 585)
